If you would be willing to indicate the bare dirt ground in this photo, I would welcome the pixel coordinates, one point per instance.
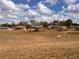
(39, 45)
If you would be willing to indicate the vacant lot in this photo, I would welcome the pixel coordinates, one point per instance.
(39, 45)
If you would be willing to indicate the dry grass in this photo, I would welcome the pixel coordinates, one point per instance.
(41, 53)
(39, 45)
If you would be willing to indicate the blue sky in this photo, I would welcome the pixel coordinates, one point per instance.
(39, 10)
(57, 7)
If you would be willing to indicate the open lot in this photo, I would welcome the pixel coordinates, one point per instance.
(39, 45)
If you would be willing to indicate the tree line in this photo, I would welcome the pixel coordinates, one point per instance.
(45, 24)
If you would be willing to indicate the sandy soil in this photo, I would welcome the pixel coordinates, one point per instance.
(15, 44)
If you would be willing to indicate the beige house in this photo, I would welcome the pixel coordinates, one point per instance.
(5, 28)
(20, 27)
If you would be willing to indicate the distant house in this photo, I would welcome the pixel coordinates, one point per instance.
(20, 27)
(52, 26)
(77, 29)
(62, 28)
(5, 28)
(36, 28)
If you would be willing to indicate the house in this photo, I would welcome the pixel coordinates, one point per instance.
(52, 26)
(36, 28)
(5, 28)
(61, 28)
(18, 27)
(77, 29)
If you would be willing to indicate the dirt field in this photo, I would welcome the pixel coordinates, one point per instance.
(39, 45)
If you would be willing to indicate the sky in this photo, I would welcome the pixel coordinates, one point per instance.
(39, 10)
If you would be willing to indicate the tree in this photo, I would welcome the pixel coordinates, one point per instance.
(55, 22)
(44, 24)
(13, 24)
(68, 23)
(28, 26)
(6, 25)
(22, 23)
(62, 23)
(33, 22)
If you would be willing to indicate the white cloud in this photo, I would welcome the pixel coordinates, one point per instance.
(47, 18)
(63, 7)
(73, 8)
(70, 1)
(11, 12)
(50, 2)
(11, 16)
(44, 18)
(23, 6)
(26, 19)
(1, 16)
(28, 0)
(32, 13)
(43, 9)
(8, 4)
(72, 12)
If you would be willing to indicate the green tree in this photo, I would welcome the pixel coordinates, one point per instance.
(68, 23)
(22, 23)
(6, 25)
(33, 22)
(13, 24)
(55, 22)
(44, 24)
